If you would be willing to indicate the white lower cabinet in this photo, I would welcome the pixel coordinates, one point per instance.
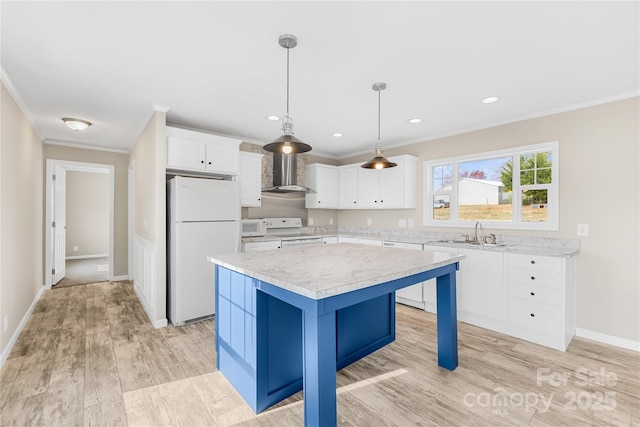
(330, 240)
(260, 246)
(429, 286)
(411, 295)
(480, 288)
(540, 299)
(347, 239)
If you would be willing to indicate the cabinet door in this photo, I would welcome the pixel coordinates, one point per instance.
(250, 179)
(223, 156)
(481, 281)
(429, 286)
(368, 189)
(392, 187)
(185, 154)
(411, 295)
(348, 186)
(324, 180)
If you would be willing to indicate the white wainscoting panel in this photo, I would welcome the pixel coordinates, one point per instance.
(144, 277)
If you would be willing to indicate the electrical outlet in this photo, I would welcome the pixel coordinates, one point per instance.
(310, 221)
(402, 223)
(330, 221)
(368, 221)
(410, 222)
(583, 230)
(75, 248)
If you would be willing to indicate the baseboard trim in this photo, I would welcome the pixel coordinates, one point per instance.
(156, 323)
(608, 339)
(18, 331)
(87, 256)
(117, 278)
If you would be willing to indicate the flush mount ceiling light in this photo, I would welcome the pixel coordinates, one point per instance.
(414, 121)
(287, 143)
(379, 161)
(490, 99)
(337, 135)
(76, 124)
(273, 118)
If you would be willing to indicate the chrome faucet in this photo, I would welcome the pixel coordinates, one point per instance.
(475, 236)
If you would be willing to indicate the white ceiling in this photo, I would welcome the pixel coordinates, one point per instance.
(217, 66)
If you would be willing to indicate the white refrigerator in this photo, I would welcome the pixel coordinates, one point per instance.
(203, 220)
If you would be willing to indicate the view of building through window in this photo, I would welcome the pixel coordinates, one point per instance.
(484, 188)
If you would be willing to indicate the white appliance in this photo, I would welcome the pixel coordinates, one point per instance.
(204, 220)
(253, 227)
(290, 232)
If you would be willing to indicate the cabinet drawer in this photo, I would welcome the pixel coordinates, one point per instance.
(521, 275)
(540, 317)
(537, 294)
(534, 261)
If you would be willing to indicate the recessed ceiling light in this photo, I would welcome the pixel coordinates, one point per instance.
(490, 99)
(76, 124)
(414, 121)
(337, 134)
(273, 118)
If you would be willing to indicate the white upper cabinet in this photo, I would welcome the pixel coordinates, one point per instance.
(324, 180)
(393, 188)
(199, 152)
(250, 179)
(348, 186)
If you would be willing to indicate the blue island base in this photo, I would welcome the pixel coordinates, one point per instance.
(260, 348)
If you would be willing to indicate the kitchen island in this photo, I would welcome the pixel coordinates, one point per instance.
(289, 319)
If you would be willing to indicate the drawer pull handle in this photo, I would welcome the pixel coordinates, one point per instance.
(533, 315)
(533, 277)
(533, 261)
(533, 294)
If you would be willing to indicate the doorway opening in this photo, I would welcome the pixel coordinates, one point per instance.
(80, 217)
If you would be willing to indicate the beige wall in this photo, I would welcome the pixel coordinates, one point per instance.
(599, 186)
(87, 213)
(149, 156)
(21, 216)
(120, 166)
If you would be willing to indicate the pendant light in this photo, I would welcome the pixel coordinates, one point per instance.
(379, 161)
(287, 143)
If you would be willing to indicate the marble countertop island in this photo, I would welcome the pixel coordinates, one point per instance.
(320, 271)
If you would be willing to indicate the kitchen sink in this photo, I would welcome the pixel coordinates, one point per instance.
(471, 242)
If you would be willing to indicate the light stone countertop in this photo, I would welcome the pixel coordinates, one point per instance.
(320, 271)
(518, 245)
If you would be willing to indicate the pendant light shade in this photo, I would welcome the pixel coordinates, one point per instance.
(379, 161)
(287, 143)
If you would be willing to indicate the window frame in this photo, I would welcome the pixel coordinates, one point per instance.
(553, 189)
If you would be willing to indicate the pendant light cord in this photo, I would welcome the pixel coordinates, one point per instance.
(288, 80)
(378, 117)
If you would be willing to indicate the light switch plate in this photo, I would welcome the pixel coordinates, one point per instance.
(310, 221)
(402, 223)
(410, 222)
(368, 221)
(583, 230)
(330, 221)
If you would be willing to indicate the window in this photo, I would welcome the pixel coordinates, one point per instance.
(485, 190)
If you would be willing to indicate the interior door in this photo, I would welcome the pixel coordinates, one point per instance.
(59, 225)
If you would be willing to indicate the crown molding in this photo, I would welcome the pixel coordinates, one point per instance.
(4, 77)
(82, 146)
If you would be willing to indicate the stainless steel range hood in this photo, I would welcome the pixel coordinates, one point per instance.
(285, 175)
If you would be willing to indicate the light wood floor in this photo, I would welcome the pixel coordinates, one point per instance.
(89, 356)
